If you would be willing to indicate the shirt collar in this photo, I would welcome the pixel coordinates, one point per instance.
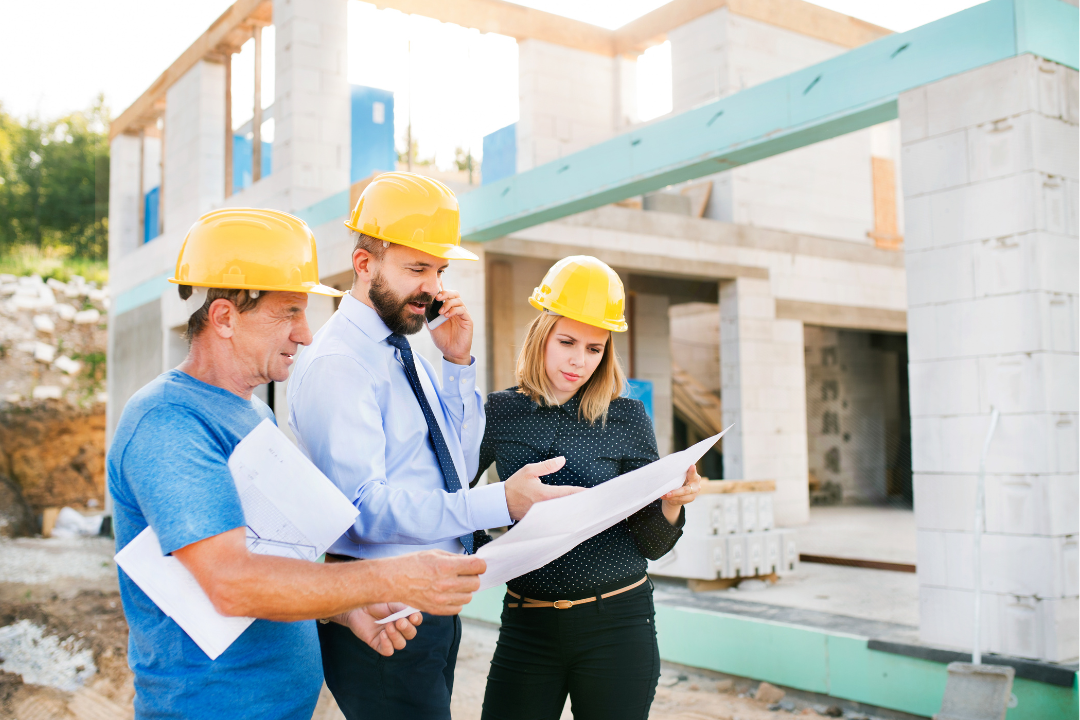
(364, 317)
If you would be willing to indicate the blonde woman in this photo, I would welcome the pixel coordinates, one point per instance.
(583, 624)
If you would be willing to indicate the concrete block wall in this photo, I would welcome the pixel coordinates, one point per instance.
(194, 148)
(124, 196)
(312, 139)
(763, 388)
(569, 99)
(823, 189)
(990, 182)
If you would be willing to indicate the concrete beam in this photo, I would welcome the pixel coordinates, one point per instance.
(842, 316)
(841, 95)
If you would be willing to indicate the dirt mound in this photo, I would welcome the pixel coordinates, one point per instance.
(55, 453)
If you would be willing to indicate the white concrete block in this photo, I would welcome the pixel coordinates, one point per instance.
(941, 275)
(1002, 89)
(936, 163)
(944, 387)
(944, 502)
(912, 113)
(754, 563)
(697, 557)
(1037, 566)
(931, 558)
(1044, 505)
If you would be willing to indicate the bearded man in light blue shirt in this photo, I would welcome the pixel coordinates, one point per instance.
(400, 445)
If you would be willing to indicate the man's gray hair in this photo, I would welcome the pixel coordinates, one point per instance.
(244, 300)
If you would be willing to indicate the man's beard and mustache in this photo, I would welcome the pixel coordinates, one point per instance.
(394, 310)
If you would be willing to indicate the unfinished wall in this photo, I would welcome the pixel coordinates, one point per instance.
(990, 176)
(763, 380)
(194, 148)
(134, 356)
(124, 196)
(312, 136)
(823, 189)
(858, 436)
(569, 100)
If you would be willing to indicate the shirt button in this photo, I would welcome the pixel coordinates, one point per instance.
(451, 378)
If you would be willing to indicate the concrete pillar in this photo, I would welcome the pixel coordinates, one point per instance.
(569, 100)
(124, 196)
(762, 390)
(990, 188)
(312, 144)
(194, 153)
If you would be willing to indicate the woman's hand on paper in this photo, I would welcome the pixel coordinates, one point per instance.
(674, 500)
(383, 639)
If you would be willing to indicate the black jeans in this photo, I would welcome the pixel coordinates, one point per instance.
(602, 654)
(412, 684)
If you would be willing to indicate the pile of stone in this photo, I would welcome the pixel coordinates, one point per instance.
(52, 340)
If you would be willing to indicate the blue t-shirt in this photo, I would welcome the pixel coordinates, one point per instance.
(168, 467)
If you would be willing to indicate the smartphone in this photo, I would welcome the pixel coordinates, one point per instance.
(434, 319)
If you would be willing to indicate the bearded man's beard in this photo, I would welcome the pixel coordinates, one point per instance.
(394, 310)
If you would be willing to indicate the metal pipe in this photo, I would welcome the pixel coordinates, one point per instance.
(980, 492)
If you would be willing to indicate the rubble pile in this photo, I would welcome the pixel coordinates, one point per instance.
(53, 339)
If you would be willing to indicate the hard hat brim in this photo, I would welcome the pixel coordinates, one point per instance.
(603, 325)
(315, 289)
(446, 252)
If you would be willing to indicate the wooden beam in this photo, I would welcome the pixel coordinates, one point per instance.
(219, 32)
(504, 18)
(795, 15)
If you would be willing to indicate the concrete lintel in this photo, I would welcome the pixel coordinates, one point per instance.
(638, 262)
(842, 316)
(660, 224)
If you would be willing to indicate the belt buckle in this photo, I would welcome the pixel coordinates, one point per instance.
(563, 604)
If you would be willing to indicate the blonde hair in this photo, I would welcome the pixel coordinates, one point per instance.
(605, 384)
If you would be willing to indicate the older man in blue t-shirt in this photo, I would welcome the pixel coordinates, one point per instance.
(246, 274)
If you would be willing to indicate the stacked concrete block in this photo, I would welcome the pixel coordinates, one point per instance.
(729, 535)
(990, 181)
(312, 137)
(570, 99)
(823, 189)
(763, 381)
(124, 196)
(194, 148)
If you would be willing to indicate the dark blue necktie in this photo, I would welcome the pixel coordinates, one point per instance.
(442, 452)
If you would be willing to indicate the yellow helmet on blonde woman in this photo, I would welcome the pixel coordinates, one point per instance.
(412, 210)
(585, 289)
(250, 249)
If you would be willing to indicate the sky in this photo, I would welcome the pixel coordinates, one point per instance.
(461, 84)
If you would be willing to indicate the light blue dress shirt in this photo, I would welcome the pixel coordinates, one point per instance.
(354, 414)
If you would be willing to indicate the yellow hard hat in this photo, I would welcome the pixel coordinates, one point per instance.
(585, 289)
(411, 210)
(250, 249)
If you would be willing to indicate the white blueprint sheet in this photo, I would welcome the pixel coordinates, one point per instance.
(555, 527)
(291, 510)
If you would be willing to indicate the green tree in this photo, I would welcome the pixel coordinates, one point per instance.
(54, 192)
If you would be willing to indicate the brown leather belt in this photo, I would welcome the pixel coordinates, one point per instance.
(567, 604)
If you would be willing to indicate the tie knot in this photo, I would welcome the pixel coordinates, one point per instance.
(399, 341)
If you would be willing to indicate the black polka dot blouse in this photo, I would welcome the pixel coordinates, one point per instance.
(519, 431)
